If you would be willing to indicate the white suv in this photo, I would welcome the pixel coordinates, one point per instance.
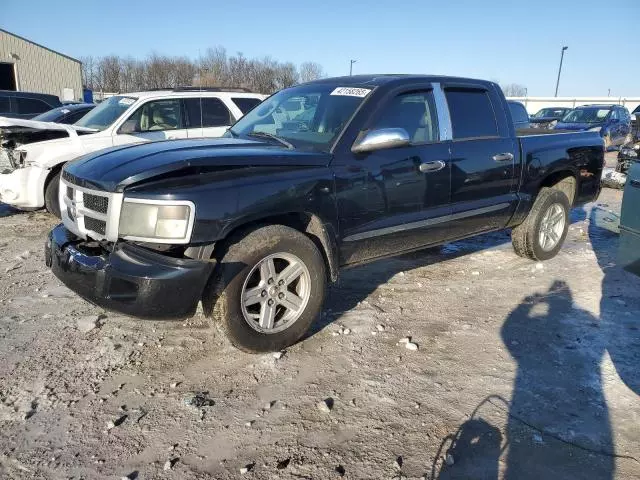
(30, 177)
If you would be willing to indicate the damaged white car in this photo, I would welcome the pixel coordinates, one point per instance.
(32, 153)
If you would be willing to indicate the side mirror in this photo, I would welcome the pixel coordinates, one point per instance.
(381, 139)
(128, 127)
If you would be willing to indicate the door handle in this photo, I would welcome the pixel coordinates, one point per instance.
(428, 167)
(503, 157)
(635, 183)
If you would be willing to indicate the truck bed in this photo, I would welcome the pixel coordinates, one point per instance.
(529, 132)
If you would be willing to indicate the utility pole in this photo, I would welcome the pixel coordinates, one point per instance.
(351, 67)
(560, 69)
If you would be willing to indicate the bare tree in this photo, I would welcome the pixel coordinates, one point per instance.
(514, 90)
(286, 75)
(310, 71)
(109, 73)
(128, 74)
(183, 72)
(88, 71)
(215, 68)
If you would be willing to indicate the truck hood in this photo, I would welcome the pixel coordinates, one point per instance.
(543, 119)
(116, 168)
(16, 131)
(19, 124)
(577, 126)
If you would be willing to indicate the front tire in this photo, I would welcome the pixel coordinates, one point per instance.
(541, 235)
(268, 288)
(51, 200)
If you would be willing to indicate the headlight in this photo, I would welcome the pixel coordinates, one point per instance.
(552, 124)
(18, 158)
(629, 152)
(595, 129)
(161, 222)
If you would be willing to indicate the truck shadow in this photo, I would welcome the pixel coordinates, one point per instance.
(557, 421)
(357, 283)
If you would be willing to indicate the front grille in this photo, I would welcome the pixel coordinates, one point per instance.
(96, 203)
(67, 176)
(95, 225)
(89, 213)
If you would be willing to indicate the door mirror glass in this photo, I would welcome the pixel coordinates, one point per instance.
(128, 127)
(381, 139)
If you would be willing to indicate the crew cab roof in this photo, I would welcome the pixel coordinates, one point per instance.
(599, 105)
(377, 80)
(169, 92)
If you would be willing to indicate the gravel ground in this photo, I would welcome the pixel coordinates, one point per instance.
(522, 370)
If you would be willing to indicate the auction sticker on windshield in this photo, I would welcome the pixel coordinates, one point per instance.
(126, 101)
(351, 92)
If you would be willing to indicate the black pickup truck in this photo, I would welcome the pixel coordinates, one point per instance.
(319, 176)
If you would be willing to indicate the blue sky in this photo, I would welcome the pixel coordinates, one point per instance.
(513, 41)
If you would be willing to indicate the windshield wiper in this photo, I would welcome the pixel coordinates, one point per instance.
(273, 137)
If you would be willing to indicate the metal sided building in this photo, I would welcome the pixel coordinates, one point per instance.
(29, 67)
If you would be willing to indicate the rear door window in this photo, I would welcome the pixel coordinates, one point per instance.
(518, 113)
(472, 114)
(192, 112)
(215, 113)
(246, 104)
(31, 105)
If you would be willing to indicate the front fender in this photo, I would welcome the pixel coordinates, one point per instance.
(50, 153)
(228, 199)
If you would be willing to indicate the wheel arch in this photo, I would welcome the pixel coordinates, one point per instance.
(320, 232)
(564, 180)
(52, 173)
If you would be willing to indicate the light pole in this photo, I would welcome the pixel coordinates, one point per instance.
(560, 69)
(351, 67)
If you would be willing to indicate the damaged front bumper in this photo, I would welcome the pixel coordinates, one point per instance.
(130, 279)
(23, 187)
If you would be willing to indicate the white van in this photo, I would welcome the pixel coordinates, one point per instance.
(33, 153)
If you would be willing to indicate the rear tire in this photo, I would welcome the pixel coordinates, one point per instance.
(51, 199)
(261, 307)
(538, 237)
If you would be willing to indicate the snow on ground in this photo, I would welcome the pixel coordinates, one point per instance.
(522, 370)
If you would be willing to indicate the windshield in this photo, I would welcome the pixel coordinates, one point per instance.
(51, 115)
(309, 117)
(106, 113)
(586, 115)
(550, 112)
